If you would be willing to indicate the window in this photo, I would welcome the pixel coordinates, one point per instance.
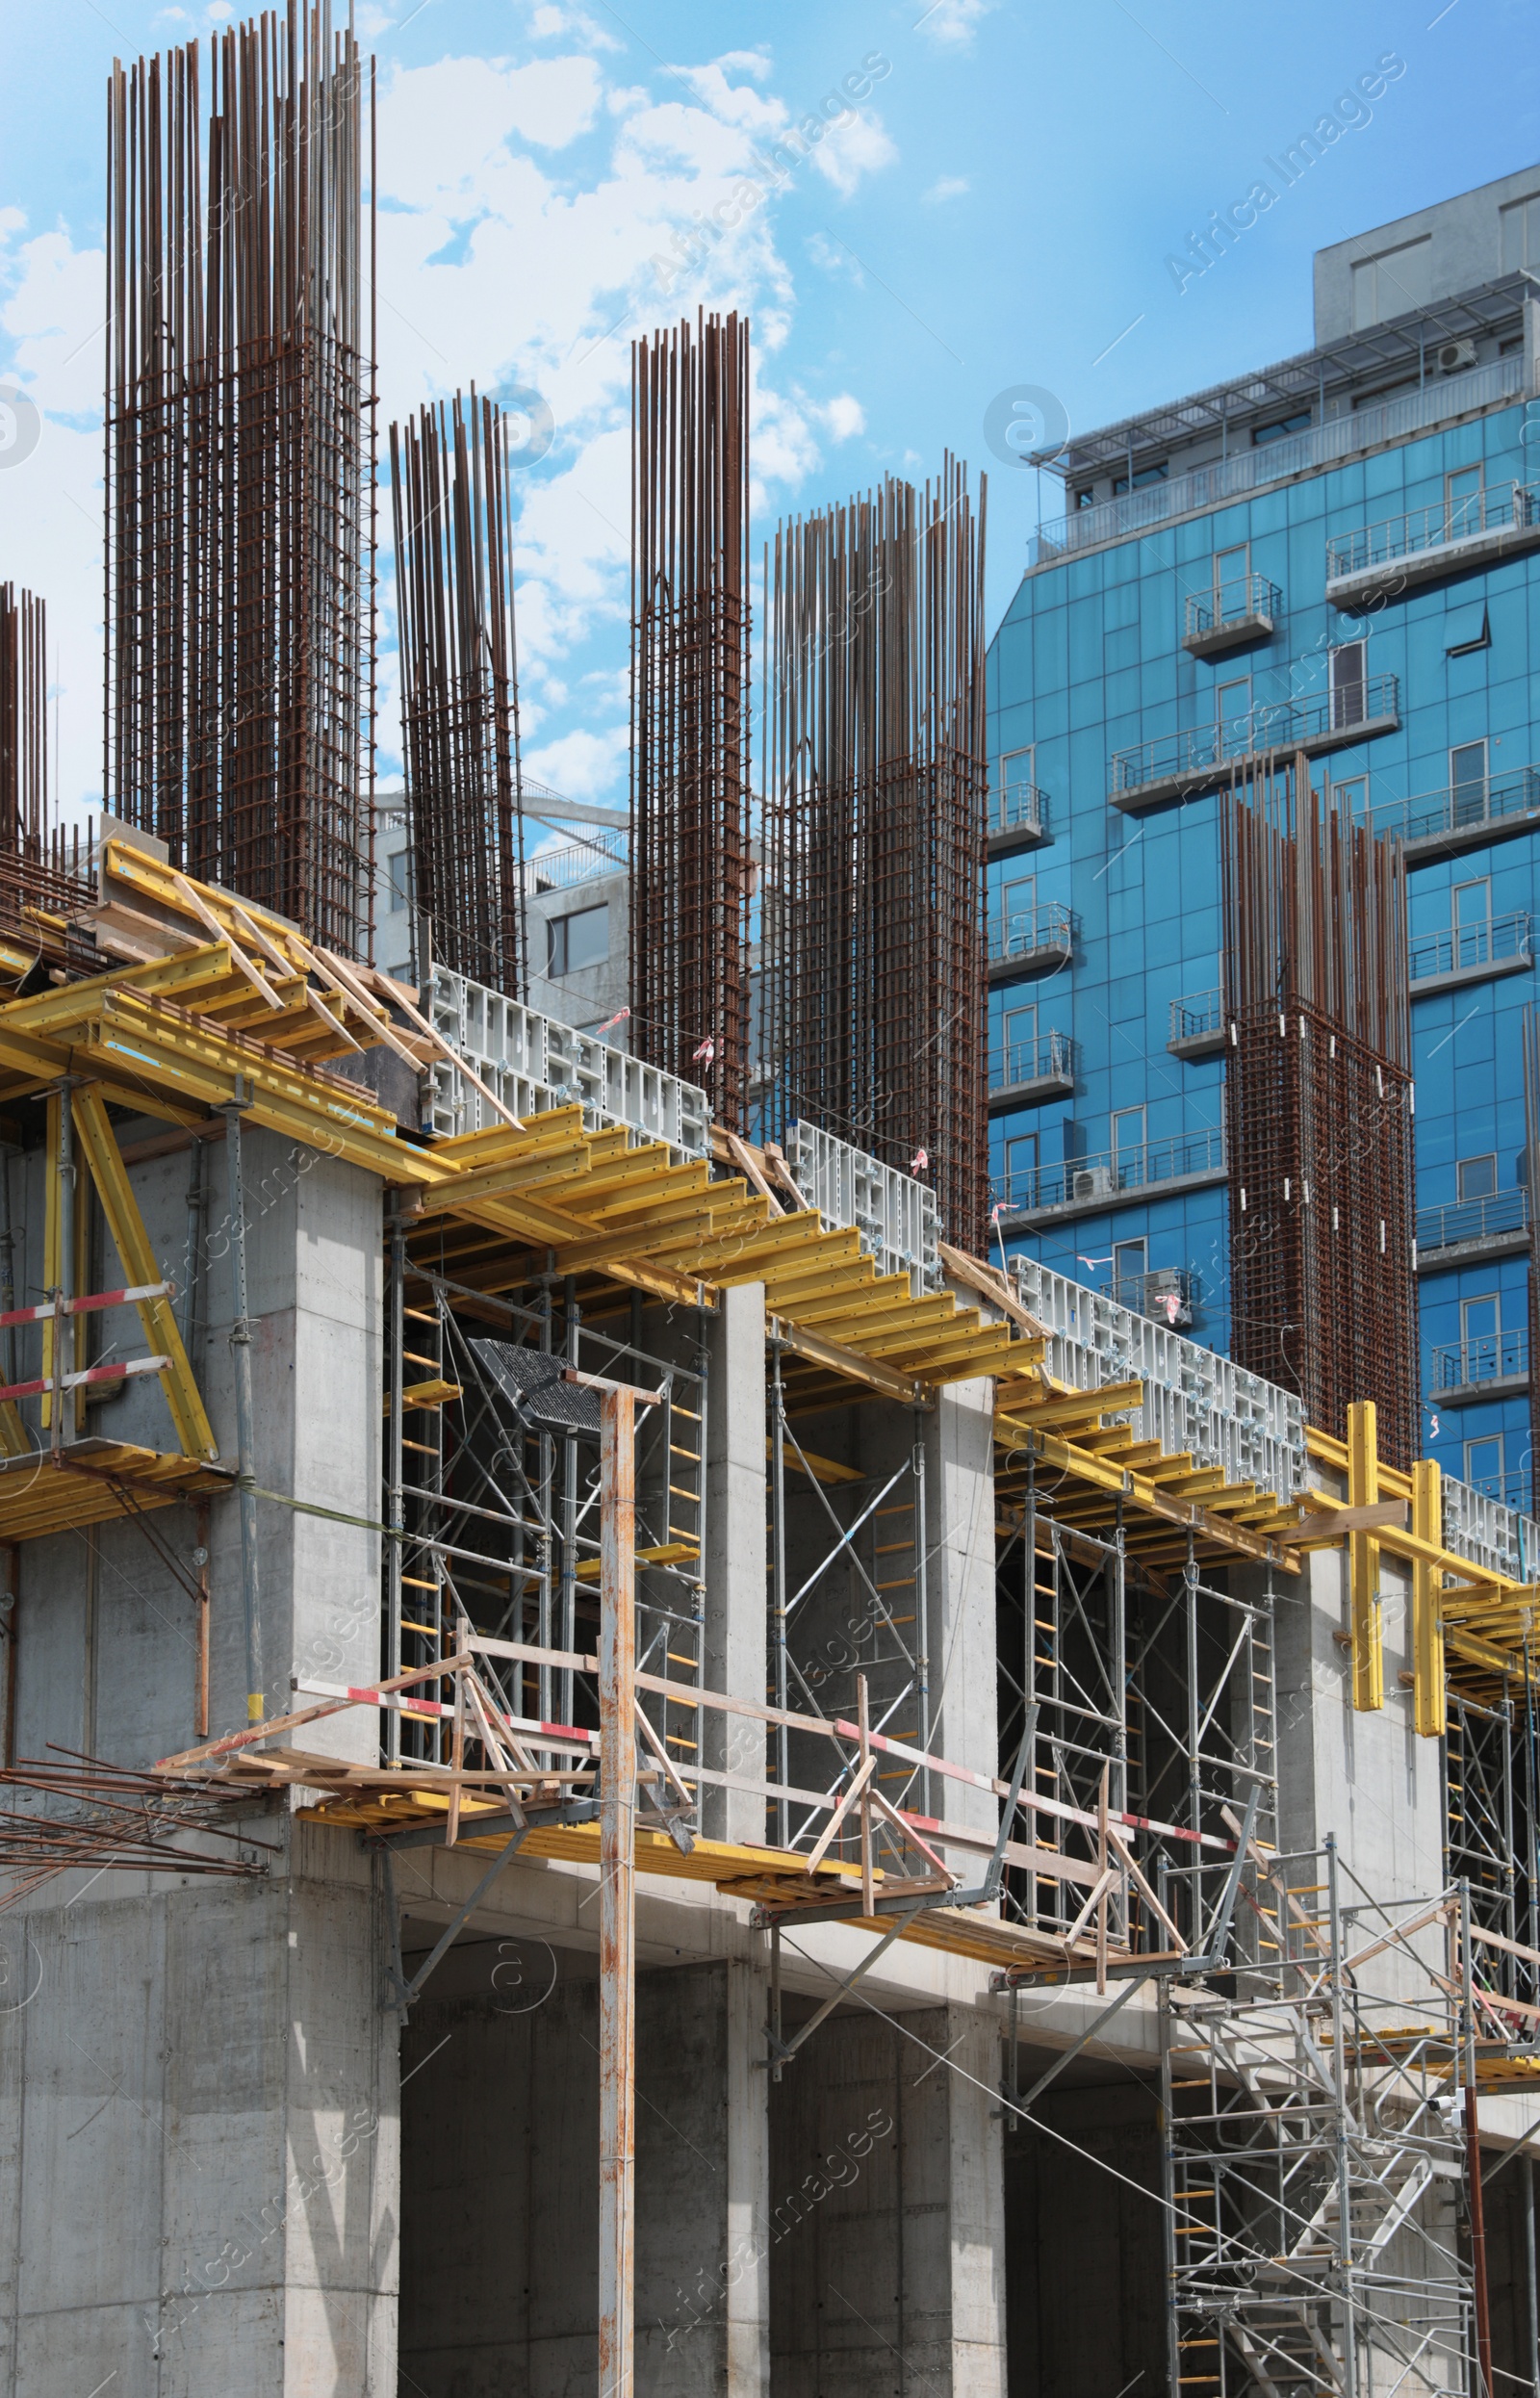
(1465, 629)
(1130, 1266)
(1351, 798)
(1020, 902)
(1128, 1132)
(1476, 1177)
(1016, 804)
(577, 940)
(1462, 501)
(1086, 499)
(1020, 1029)
(1021, 1169)
(1471, 915)
(1483, 1466)
(1348, 683)
(1143, 476)
(1468, 782)
(1232, 570)
(1479, 1318)
(1392, 283)
(1521, 233)
(1261, 434)
(1233, 704)
(395, 867)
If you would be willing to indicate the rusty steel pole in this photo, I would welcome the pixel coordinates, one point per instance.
(617, 1900)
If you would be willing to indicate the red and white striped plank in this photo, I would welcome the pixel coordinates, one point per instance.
(87, 1305)
(89, 1374)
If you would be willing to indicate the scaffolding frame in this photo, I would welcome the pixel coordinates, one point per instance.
(1312, 2148)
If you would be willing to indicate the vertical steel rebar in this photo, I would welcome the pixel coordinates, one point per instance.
(617, 1900)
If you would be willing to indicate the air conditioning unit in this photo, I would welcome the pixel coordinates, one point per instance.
(1165, 1299)
(1454, 357)
(1091, 1182)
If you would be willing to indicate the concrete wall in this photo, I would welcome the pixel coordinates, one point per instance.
(196, 2088)
(1466, 239)
(888, 2272)
(500, 2147)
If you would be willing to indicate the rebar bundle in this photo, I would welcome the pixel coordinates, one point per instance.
(238, 467)
(874, 832)
(459, 690)
(1317, 1105)
(42, 865)
(689, 887)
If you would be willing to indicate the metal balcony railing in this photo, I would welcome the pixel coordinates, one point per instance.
(1168, 1294)
(1017, 806)
(1487, 799)
(1497, 507)
(1490, 1357)
(1207, 750)
(1030, 931)
(1017, 1062)
(604, 851)
(1473, 1219)
(1197, 1014)
(1153, 1163)
(1234, 603)
(1463, 946)
(1346, 436)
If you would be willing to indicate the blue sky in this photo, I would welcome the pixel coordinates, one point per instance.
(996, 210)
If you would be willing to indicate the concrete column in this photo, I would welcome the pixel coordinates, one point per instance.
(888, 2215)
(959, 1576)
(734, 1557)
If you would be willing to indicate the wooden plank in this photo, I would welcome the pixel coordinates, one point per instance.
(1328, 1524)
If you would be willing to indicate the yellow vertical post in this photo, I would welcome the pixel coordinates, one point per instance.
(52, 1250)
(1428, 1624)
(79, 1286)
(156, 1316)
(1363, 1554)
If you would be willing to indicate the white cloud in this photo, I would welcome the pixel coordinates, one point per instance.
(849, 151)
(834, 257)
(843, 415)
(947, 188)
(583, 766)
(953, 21)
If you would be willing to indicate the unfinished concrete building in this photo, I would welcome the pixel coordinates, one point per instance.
(626, 1771)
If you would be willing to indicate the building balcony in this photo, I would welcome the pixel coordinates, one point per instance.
(1168, 1294)
(1446, 539)
(1496, 1365)
(1021, 1073)
(1017, 818)
(1090, 1186)
(1198, 1024)
(1029, 940)
(1469, 953)
(1179, 764)
(1468, 815)
(1467, 1230)
(1239, 613)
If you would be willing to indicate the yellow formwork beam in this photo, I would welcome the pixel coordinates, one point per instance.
(157, 1319)
(1363, 1561)
(1427, 1629)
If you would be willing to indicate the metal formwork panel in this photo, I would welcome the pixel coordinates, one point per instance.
(533, 1064)
(895, 1215)
(1197, 1401)
(1488, 1533)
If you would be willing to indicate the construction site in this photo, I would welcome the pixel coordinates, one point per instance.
(635, 1758)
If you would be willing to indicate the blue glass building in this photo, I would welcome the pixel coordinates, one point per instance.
(1339, 554)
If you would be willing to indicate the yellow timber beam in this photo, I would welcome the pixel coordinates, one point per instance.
(1428, 1703)
(156, 1316)
(1367, 1611)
